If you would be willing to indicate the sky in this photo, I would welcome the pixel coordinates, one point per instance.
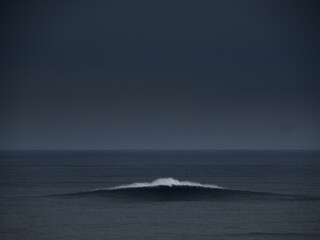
(160, 74)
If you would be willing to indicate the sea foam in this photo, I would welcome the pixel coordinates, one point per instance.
(164, 182)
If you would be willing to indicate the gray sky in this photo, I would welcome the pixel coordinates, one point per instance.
(160, 75)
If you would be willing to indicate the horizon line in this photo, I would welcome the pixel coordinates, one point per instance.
(164, 149)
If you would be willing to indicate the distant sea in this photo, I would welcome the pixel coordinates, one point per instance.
(74, 195)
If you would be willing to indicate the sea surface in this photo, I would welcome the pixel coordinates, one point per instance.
(66, 195)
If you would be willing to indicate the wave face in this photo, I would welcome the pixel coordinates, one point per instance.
(164, 182)
(169, 189)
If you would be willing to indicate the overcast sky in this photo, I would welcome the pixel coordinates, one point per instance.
(160, 74)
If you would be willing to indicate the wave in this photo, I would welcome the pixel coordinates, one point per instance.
(163, 182)
(169, 189)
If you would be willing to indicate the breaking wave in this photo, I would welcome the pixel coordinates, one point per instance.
(169, 189)
(163, 182)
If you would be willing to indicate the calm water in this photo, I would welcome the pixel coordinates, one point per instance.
(71, 195)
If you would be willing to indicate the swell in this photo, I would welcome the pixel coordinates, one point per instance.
(163, 190)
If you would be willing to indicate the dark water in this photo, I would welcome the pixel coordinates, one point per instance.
(70, 195)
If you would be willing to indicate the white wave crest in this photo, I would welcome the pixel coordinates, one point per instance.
(168, 182)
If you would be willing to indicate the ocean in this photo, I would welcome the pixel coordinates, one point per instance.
(159, 195)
